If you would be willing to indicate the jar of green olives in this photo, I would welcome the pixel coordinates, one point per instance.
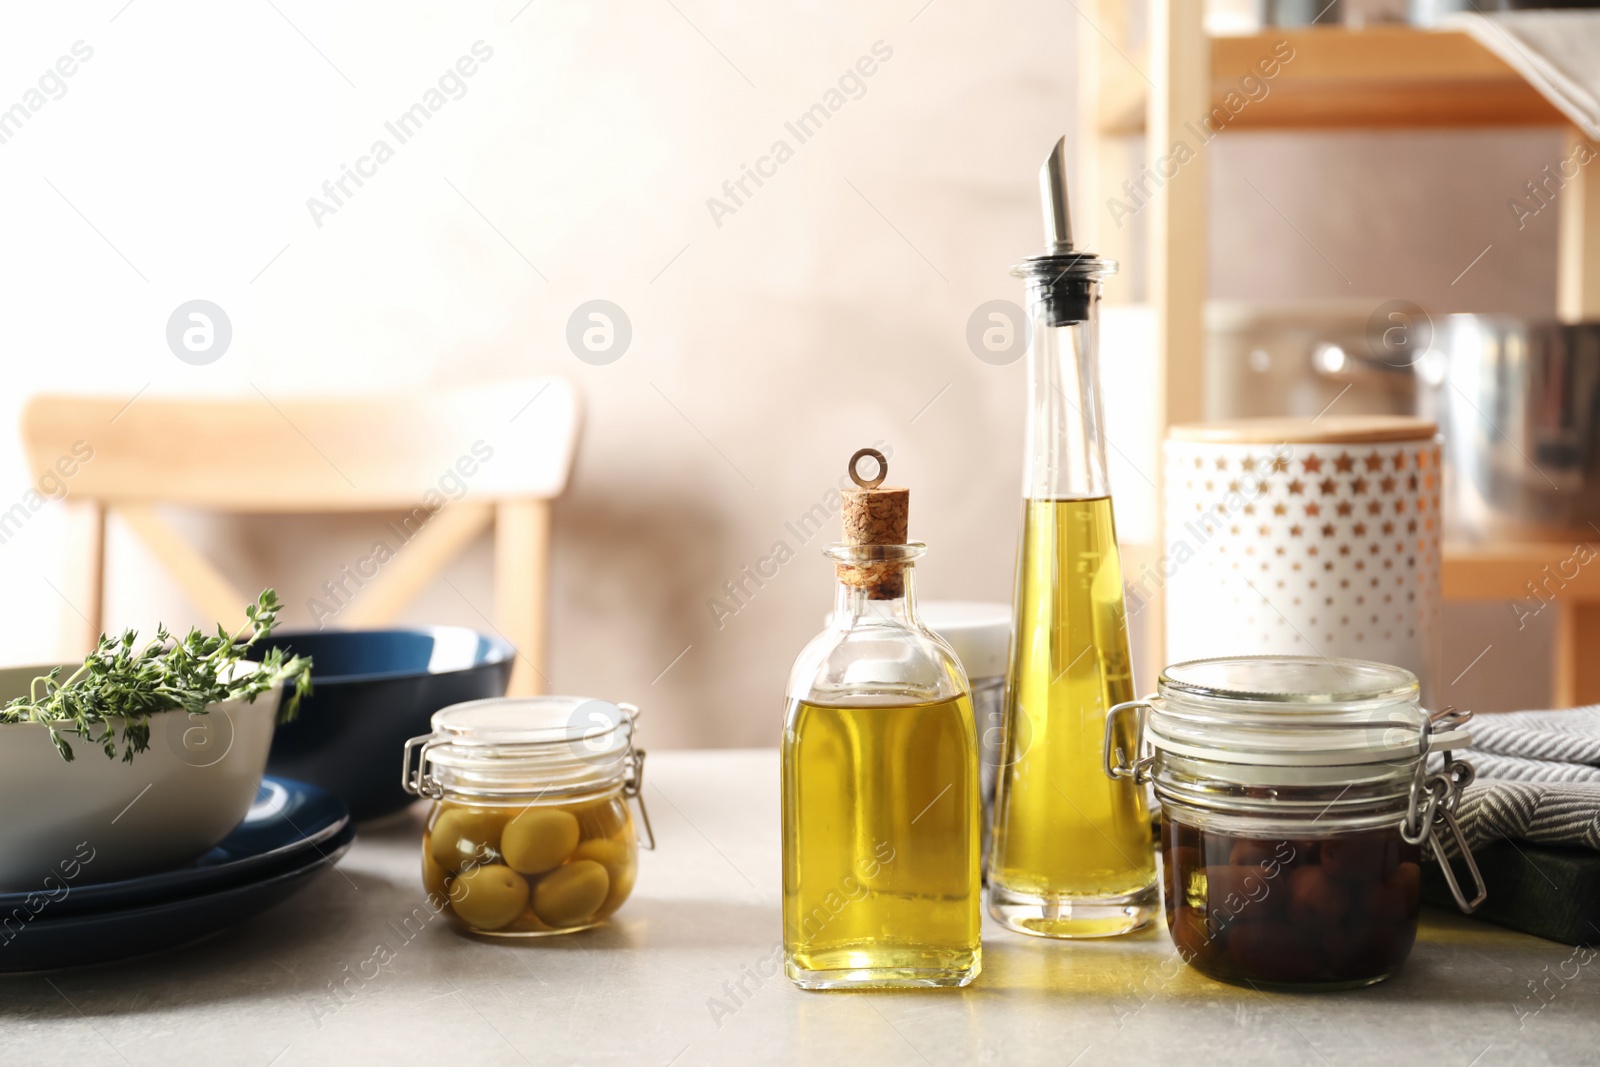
(1297, 795)
(531, 831)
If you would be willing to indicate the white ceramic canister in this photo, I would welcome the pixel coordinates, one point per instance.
(1303, 537)
(980, 635)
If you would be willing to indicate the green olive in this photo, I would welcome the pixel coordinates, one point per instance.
(621, 886)
(435, 879)
(571, 894)
(609, 854)
(489, 897)
(621, 864)
(617, 859)
(602, 818)
(462, 837)
(539, 839)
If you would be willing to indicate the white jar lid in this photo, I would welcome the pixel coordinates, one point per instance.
(1293, 711)
(979, 632)
(530, 720)
(522, 745)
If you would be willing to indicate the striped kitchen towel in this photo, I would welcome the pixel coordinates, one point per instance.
(1549, 813)
(1538, 778)
(1538, 746)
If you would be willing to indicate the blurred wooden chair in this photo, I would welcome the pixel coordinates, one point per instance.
(325, 454)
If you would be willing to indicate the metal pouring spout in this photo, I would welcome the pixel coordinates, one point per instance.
(1062, 281)
(1053, 194)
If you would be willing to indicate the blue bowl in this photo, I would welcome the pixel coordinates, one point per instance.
(374, 689)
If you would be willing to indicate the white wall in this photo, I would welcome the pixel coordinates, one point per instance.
(828, 312)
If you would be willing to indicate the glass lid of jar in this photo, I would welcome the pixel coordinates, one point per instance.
(545, 737)
(1291, 680)
(531, 720)
(1295, 711)
(528, 747)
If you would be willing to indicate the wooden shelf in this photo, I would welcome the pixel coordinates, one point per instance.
(1502, 572)
(1379, 77)
(1487, 571)
(1539, 575)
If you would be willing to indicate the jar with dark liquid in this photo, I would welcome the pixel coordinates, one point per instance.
(1295, 798)
(1289, 910)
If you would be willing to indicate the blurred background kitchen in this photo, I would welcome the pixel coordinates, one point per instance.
(774, 328)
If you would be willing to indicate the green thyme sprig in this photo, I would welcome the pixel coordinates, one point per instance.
(112, 696)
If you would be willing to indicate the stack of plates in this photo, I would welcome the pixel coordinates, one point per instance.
(292, 833)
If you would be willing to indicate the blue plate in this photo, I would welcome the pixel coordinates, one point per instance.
(49, 942)
(288, 821)
(372, 690)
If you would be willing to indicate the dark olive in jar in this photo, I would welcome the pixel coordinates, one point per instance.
(1317, 900)
(1339, 910)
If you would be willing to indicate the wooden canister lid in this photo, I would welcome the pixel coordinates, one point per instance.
(1331, 430)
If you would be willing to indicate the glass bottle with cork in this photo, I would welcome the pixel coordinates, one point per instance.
(1072, 852)
(880, 776)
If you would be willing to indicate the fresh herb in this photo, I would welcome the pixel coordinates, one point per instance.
(118, 688)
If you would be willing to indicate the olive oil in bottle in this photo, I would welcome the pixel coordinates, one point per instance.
(886, 838)
(881, 879)
(1071, 848)
(1065, 830)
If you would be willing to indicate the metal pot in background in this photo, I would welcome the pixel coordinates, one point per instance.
(1518, 400)
(1519, 405)
(1300, 12)
(1430, 12)
(1308, 358)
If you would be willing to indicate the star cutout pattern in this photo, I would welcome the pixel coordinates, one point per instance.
(1331, 540)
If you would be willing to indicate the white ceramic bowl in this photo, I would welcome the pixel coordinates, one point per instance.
(173, 802)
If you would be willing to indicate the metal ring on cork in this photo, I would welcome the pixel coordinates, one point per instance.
(883, 468)
(875, 551)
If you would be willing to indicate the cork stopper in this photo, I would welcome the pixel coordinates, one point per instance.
(874, 515)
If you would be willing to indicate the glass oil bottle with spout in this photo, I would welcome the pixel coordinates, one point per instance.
(1071, 849)
(881, 878)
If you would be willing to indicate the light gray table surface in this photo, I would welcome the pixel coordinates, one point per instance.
(659, 985)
